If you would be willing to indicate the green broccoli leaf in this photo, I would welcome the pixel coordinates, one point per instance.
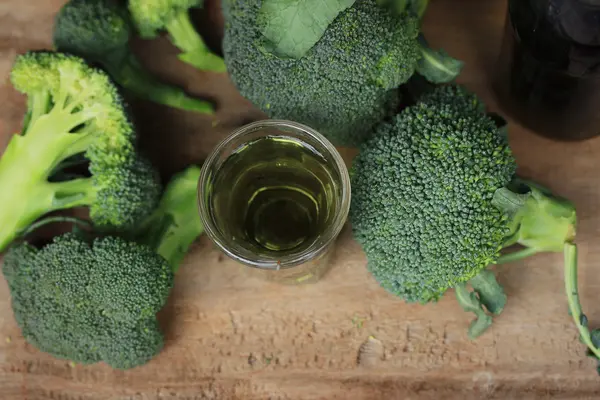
(436, 65)
(471, 303)
(292, 27)
(490, 293)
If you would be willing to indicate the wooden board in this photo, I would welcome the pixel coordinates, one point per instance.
(232, 336)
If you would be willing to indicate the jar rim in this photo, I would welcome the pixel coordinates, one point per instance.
(320, 245)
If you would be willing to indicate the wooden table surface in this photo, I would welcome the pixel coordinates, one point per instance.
(231, 336)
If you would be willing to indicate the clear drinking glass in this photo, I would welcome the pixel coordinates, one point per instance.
(274, 196)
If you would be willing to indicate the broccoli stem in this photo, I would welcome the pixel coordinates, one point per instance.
(516, 255)
(570, 253)
(73, 193)
(29, 160)
(194, 51)
(134, 78)
(37, 106)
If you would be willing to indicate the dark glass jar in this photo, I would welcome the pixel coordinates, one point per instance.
(549, 67)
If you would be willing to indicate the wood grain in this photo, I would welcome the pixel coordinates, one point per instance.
(231, 335)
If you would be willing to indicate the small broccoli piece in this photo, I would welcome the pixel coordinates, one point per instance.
(435, 199)
(99, 31)
(74, 111)
(175, 223)
(343, 86)
(90, 298)
(153, 16)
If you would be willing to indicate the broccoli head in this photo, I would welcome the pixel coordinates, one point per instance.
(422, 196)
(154, 16)
(90, 297)
(74, 112)
(435, 199)
(89, 301)
(99, 31)
(344, 85)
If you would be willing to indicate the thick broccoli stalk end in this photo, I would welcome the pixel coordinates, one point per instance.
(539, 221)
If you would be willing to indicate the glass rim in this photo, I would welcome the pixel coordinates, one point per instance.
(320, 245)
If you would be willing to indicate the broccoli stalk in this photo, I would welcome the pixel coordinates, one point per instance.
(88, 297)
(590, 339)
(73, 110)
(542, 222)
(153, 16)
(99, 31)
(539, 222)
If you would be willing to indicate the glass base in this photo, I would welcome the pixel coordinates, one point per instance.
(309, 272)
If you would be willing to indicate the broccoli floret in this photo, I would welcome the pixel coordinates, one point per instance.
(153, 16)
(435, 199)
(74, 111)
(343, 86)
(89, 302)
(88, 299)
(99, 31)
(422, 190)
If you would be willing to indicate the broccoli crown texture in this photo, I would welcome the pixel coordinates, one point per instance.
(125, 195)
(89, 302)
(73, 111)
(96, 29)
(343, 86)
(152, 16)
(422, 190)
(72, 96)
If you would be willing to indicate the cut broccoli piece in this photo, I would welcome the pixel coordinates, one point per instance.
(153, 16)
(344, 85)
(99, 31)
(88, 299)
(73, 110)
(435, 199)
